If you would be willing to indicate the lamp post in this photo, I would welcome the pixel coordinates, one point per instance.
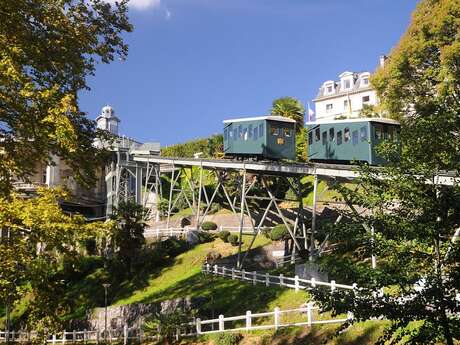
(106, 286)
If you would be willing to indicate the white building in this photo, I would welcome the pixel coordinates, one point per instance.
(346, 97)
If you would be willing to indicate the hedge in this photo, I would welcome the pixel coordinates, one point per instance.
(206, 226)
(234, 240)
(223, 235)
(279, 232)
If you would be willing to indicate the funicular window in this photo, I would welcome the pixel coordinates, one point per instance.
(250, 131)
(310, 138)
(346, 134)
(245, 134)
(339, 138)
(261, 130)
(235, 133)
(385, 132)
(275, 131)
(225, 134)
(240, 132)
(255, 133)
(363, 133)
(324, 137)
(355, 137)
(391, 134)
(378, 132)
(331, 134)
(317, 134)
(287, 132)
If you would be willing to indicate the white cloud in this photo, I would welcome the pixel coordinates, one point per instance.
(168, 14)
(140, 4)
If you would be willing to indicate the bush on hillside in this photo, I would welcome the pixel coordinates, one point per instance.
(223, 235)
(206, 226)
(174, 246)
(279, 233)
(234, 240)
(229, 338)
(205, 237)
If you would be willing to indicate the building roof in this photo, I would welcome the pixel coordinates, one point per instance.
(356, 87)
(361, 119)
(269, 117)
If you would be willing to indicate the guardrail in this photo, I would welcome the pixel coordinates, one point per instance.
(268, 279)
(275, 315)
(304, 314)
(170, 232)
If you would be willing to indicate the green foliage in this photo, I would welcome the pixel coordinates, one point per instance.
(42, 240)
(301, 145)
(128, 233)
(205, 237)
(47, 51)
(166, 324)
(174, 246)
(414, 221)
(279, 233)
(206, 226)
(291, 108)
(210, 147)
(228, 338)
(223, 235)
(234, 240)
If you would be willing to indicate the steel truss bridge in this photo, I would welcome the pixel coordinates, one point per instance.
(137, 175)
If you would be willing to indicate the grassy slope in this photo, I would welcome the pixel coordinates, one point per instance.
(229, 297)
(184, 278)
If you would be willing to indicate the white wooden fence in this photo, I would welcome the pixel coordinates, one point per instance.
(268, 279)
(303, 316)
(275, 321)
(159, 233)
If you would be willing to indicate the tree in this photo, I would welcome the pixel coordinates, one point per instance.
(128, 234)
(416, 220)
(291, 108)
(48, 48)
(37, 238)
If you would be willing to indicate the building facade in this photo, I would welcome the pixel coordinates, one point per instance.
(116, 180)
(346, 97)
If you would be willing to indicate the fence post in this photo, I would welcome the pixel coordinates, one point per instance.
(296, 283)
(208, 268)
(63, 337)
(354, 286)
(313, 282)
(97, 336)
(233, 273)
(125, 334)
(350, 316)
(54, 338)
(332, 285)
(254, 278)
(243, 274)
(267, 279)
(85, 336)
(277, 317)
(309, 313)
(198, 326)
(221, 323)
(248, 319)
(215, 269)
(281, 279)
(74, 336)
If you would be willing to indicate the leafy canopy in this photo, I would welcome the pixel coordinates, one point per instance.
(48, 48)
(291, 108)
(37, 239)
(415, 219)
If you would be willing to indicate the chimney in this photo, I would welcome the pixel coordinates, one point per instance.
(382, 59)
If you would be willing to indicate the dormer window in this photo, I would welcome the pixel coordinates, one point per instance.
(329, 89)
(346, 84)
(365, 81)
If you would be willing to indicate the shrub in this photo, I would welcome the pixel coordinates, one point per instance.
(228, 338)
(279, 232)
(173, 246)
(204, 237)
(206, 226)
(212, 257)
(234, 240)
(223, 235)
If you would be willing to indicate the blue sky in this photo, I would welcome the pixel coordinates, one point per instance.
(194, 63)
